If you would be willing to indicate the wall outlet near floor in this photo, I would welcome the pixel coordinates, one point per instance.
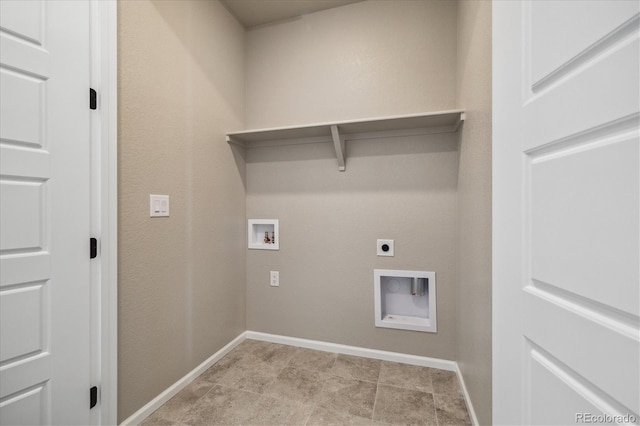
(275, 279)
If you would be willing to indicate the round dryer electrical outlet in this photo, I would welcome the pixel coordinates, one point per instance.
(385, 248)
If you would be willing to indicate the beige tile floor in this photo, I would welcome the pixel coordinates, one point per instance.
(261, 383)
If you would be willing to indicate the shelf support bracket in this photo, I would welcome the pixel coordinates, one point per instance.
(338, 144)
(459, 122)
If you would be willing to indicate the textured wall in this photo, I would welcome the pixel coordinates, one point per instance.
(366, 59)
(329, 223)
(182, 86)
(181, 279)
(474, 203)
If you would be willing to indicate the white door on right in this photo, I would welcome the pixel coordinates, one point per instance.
(566, 215)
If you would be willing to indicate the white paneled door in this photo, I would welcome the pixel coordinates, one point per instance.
(566, 212)
(44, 212)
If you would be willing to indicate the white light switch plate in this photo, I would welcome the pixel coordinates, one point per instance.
(158, 205)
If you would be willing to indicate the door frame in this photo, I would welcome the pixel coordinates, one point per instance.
(104, 208)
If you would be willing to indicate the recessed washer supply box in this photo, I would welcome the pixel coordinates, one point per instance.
(263, 234)
(405, 299)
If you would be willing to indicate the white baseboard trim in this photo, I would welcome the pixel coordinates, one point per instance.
(423, 361)
(137, 417)
(467, 398)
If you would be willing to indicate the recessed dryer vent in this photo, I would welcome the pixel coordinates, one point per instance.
(405, 299)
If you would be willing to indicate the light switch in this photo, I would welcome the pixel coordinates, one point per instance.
(158, 205)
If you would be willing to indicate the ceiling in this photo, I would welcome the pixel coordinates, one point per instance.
(252, 13)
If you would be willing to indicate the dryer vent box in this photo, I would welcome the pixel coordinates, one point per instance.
(405, 299)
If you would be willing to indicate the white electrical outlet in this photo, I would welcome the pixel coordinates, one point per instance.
(275, 279)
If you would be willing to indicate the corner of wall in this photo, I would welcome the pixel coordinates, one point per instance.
(474, 204)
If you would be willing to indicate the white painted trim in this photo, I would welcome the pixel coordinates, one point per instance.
(105, 82)
(359, 121)
(467, 398)
(172, 390)
(96, 59)
(423, 361)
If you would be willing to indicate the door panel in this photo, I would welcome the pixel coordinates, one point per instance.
(583, 233)
(566, 208)
(29, 407)
(23, 324)
(595, 345)
(44, 212)
(23, 19)
(583, 24)
(22, 217)
(605, 104)
(557, 393)
(22, 101)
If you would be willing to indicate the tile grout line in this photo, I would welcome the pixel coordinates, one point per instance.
(182, 416)
(375, 401)
(188, 408)
(335, 375)
(313, 409)
(316, 405)
(433, 398)
(435, 410)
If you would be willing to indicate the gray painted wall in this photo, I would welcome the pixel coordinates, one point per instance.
(329, 222)
(366, 59)
(474, 204)
(181, 279)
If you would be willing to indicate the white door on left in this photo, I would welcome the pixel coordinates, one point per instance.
(44, 212)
